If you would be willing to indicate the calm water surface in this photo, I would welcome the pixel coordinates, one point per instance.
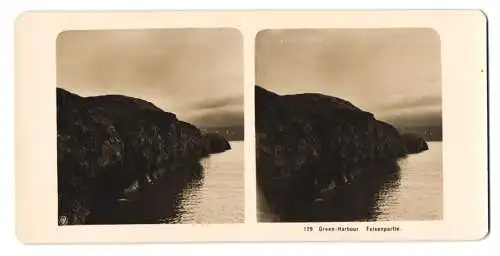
(219, 196)
(414, 194)
(418, 194)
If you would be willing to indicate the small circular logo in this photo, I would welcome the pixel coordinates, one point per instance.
(63, 220)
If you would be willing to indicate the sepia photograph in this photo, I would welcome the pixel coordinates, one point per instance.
(150, 126)
(251, 126)
(348, 125)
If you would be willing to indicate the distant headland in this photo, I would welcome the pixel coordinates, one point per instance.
(231, 133)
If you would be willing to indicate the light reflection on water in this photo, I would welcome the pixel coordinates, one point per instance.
(412, 193)
(210, 192)
(418, 194)
(218, 197)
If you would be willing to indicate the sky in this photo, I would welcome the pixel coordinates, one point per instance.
(394, 73)
(195, 73)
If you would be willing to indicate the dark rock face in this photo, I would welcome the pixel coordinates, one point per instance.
(111, 147)
(313, 147)
(216, 143)
(414, 143)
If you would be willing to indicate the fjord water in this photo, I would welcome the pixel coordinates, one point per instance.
(218, 197)
(413, 193)
(417, 195)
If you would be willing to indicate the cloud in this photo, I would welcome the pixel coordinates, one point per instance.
(215, 112)
(422, 111)
(218, 102)
(422, 116)
(167, 66)
(368, 67)
(217, 117)
(411, 103)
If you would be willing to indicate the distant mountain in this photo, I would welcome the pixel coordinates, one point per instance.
(428, 133)
(231, 133)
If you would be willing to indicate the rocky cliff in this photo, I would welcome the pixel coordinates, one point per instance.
(414, 143)
(112, 147)
(216, 143)
(311, 148)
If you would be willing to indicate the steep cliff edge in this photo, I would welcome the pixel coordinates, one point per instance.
(414, 143)
(312, 146)
(112, 146)
(216, 143)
